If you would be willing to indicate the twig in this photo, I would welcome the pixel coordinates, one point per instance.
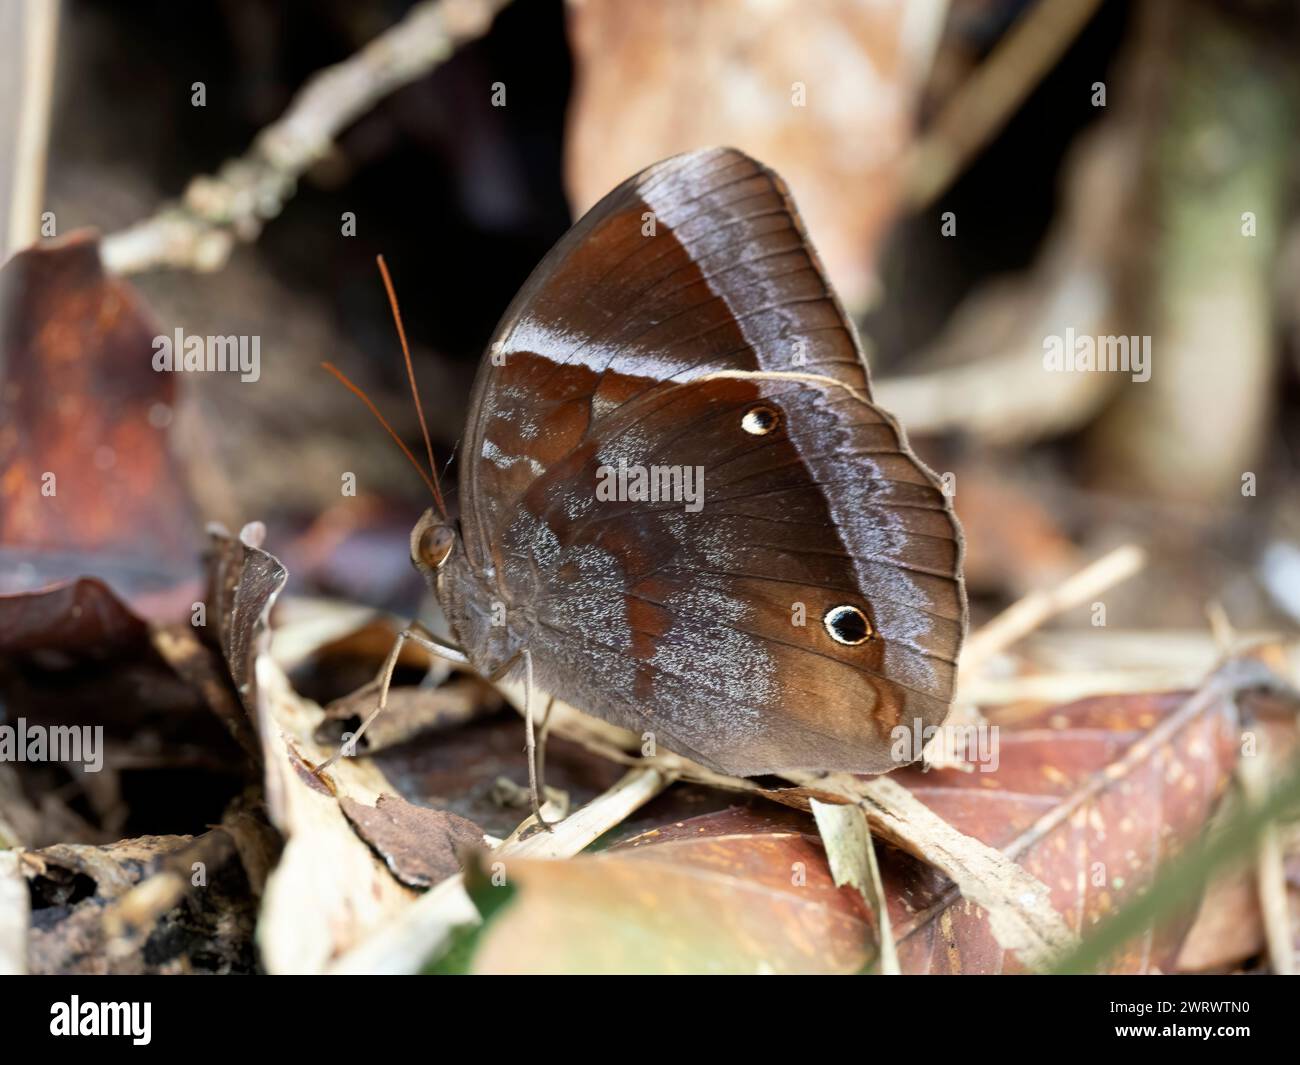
(852, 857)
(1226, 683)
(587, 824)
(1223, 632)
(1023, 617)
(993, 94)
(1254, 774)
(1067, 687)
(38, 31)
(199, 232)
(1176, 650)
(987, 398)
(1019, 906)
(988, 377)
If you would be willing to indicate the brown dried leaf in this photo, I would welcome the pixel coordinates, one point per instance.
(76, 655)
(79, 399)
(243, 583)
(726, 893)
(203, 669)
(81, 619)
(419, 844)
(1088, 798)
(327, 889)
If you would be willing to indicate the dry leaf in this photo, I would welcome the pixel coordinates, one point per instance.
(1087, 798)
(328, 889)
(724, 893)
(88, 485)
(418, 844)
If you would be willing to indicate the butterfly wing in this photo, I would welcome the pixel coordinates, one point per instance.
(684, 329)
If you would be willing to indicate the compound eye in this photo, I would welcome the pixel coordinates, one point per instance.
(435, 545)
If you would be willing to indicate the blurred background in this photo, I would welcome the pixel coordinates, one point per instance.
(978, 175)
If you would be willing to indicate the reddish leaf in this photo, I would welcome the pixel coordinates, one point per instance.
(1089, 797)
(74, 618)
(735, 891)
(80, 400)
(1088, 803)
(419, 844)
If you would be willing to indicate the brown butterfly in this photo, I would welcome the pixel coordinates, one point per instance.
(680, 510)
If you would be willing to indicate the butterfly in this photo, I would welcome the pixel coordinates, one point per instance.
(680, 509)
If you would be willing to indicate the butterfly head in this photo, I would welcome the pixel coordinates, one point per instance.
(432, 542)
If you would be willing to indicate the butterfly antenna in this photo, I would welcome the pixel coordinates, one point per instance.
(380, 418)
(410, 374)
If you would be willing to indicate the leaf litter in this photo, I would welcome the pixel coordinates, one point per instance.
(375, 865)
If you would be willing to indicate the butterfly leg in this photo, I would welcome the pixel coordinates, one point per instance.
(417, 634)
(529, 732)
(542, 733)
